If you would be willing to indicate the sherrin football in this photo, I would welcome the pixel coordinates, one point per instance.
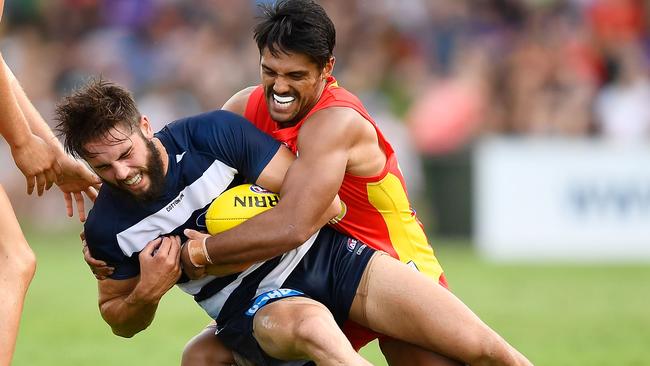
(237, 205)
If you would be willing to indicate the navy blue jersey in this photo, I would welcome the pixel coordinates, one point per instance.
(207, 154)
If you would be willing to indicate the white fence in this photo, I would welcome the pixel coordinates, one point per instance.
(562, 200)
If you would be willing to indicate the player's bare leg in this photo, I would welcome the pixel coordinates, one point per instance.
(401, 353)
(429, 315)
(17, 266)
(299, 328)
(205, 349)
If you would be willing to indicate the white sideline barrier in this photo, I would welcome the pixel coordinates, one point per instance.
(573, 200)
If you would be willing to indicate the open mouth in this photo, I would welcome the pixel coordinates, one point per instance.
(283, 100)
(133, 180)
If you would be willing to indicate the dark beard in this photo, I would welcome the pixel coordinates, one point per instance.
(155, 173)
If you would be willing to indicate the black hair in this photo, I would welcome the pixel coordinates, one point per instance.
(296, 26)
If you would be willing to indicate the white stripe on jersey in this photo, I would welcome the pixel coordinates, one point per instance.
(197, 195)
(272, 281)
(195, 286)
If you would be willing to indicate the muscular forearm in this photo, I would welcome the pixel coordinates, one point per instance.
(266, 239)
(130, 314)
(33, 118)
(13, 125)
(265, 236)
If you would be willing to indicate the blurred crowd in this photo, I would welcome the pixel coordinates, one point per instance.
(438, 73)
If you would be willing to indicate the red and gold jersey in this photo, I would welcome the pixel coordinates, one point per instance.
(376, 210)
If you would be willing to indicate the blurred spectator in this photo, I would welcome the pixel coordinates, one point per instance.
(454, 69)
(449, 113)
(622, 105)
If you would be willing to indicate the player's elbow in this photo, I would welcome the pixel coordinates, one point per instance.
(122, 333)
(20, 261)
(26, 265)
(297, 234)
(125, 331)
(120, 327)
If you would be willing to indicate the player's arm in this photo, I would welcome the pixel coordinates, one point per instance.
(271, 178)
(273, 175)
(74, 176)
(129, 306)
(309, 189)
(32, 154)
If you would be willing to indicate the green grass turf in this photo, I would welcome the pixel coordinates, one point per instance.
(556, 314)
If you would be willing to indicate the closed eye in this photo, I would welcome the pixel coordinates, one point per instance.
(268, 71)
(297, 75)
(126, 154)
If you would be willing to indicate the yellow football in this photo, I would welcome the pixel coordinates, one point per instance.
(237, 205)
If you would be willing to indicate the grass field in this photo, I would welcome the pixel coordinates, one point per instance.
(556, 314)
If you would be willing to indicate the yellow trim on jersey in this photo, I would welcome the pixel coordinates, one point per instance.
(389, 199)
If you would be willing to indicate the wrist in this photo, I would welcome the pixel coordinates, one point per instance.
(56, 146)
(198, 253)
(20, 139)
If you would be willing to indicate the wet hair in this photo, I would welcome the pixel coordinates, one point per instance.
(92, 112)
(296, 26)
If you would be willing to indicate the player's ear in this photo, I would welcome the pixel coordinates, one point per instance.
(145, 127)
(329, 67)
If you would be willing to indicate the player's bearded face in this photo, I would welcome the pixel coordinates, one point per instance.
(292, 85)
(152, 171)
(134, 166)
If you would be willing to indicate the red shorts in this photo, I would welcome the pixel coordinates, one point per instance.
(359, 336)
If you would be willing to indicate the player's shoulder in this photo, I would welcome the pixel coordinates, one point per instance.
(339, 117)
(205, 119)
(339, 104)
(238, 102)
(203, 126)
(338, 125)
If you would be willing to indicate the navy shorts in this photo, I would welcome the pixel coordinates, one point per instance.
(329, 273)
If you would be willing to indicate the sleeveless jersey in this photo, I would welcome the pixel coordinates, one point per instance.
(376, 209)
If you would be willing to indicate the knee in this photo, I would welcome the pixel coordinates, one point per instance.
(205, 349)
(310, 329)
(20, 263)
(302, 331)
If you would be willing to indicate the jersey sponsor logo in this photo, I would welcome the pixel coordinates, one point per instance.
(175, 202)
(256, 201)
(264, 298)
(179, 157)
(257, 189)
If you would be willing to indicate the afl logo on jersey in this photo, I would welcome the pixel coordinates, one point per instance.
(352, 244)
(258, 189)
(341, 215)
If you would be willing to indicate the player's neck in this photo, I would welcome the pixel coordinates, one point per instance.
(163, 154)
